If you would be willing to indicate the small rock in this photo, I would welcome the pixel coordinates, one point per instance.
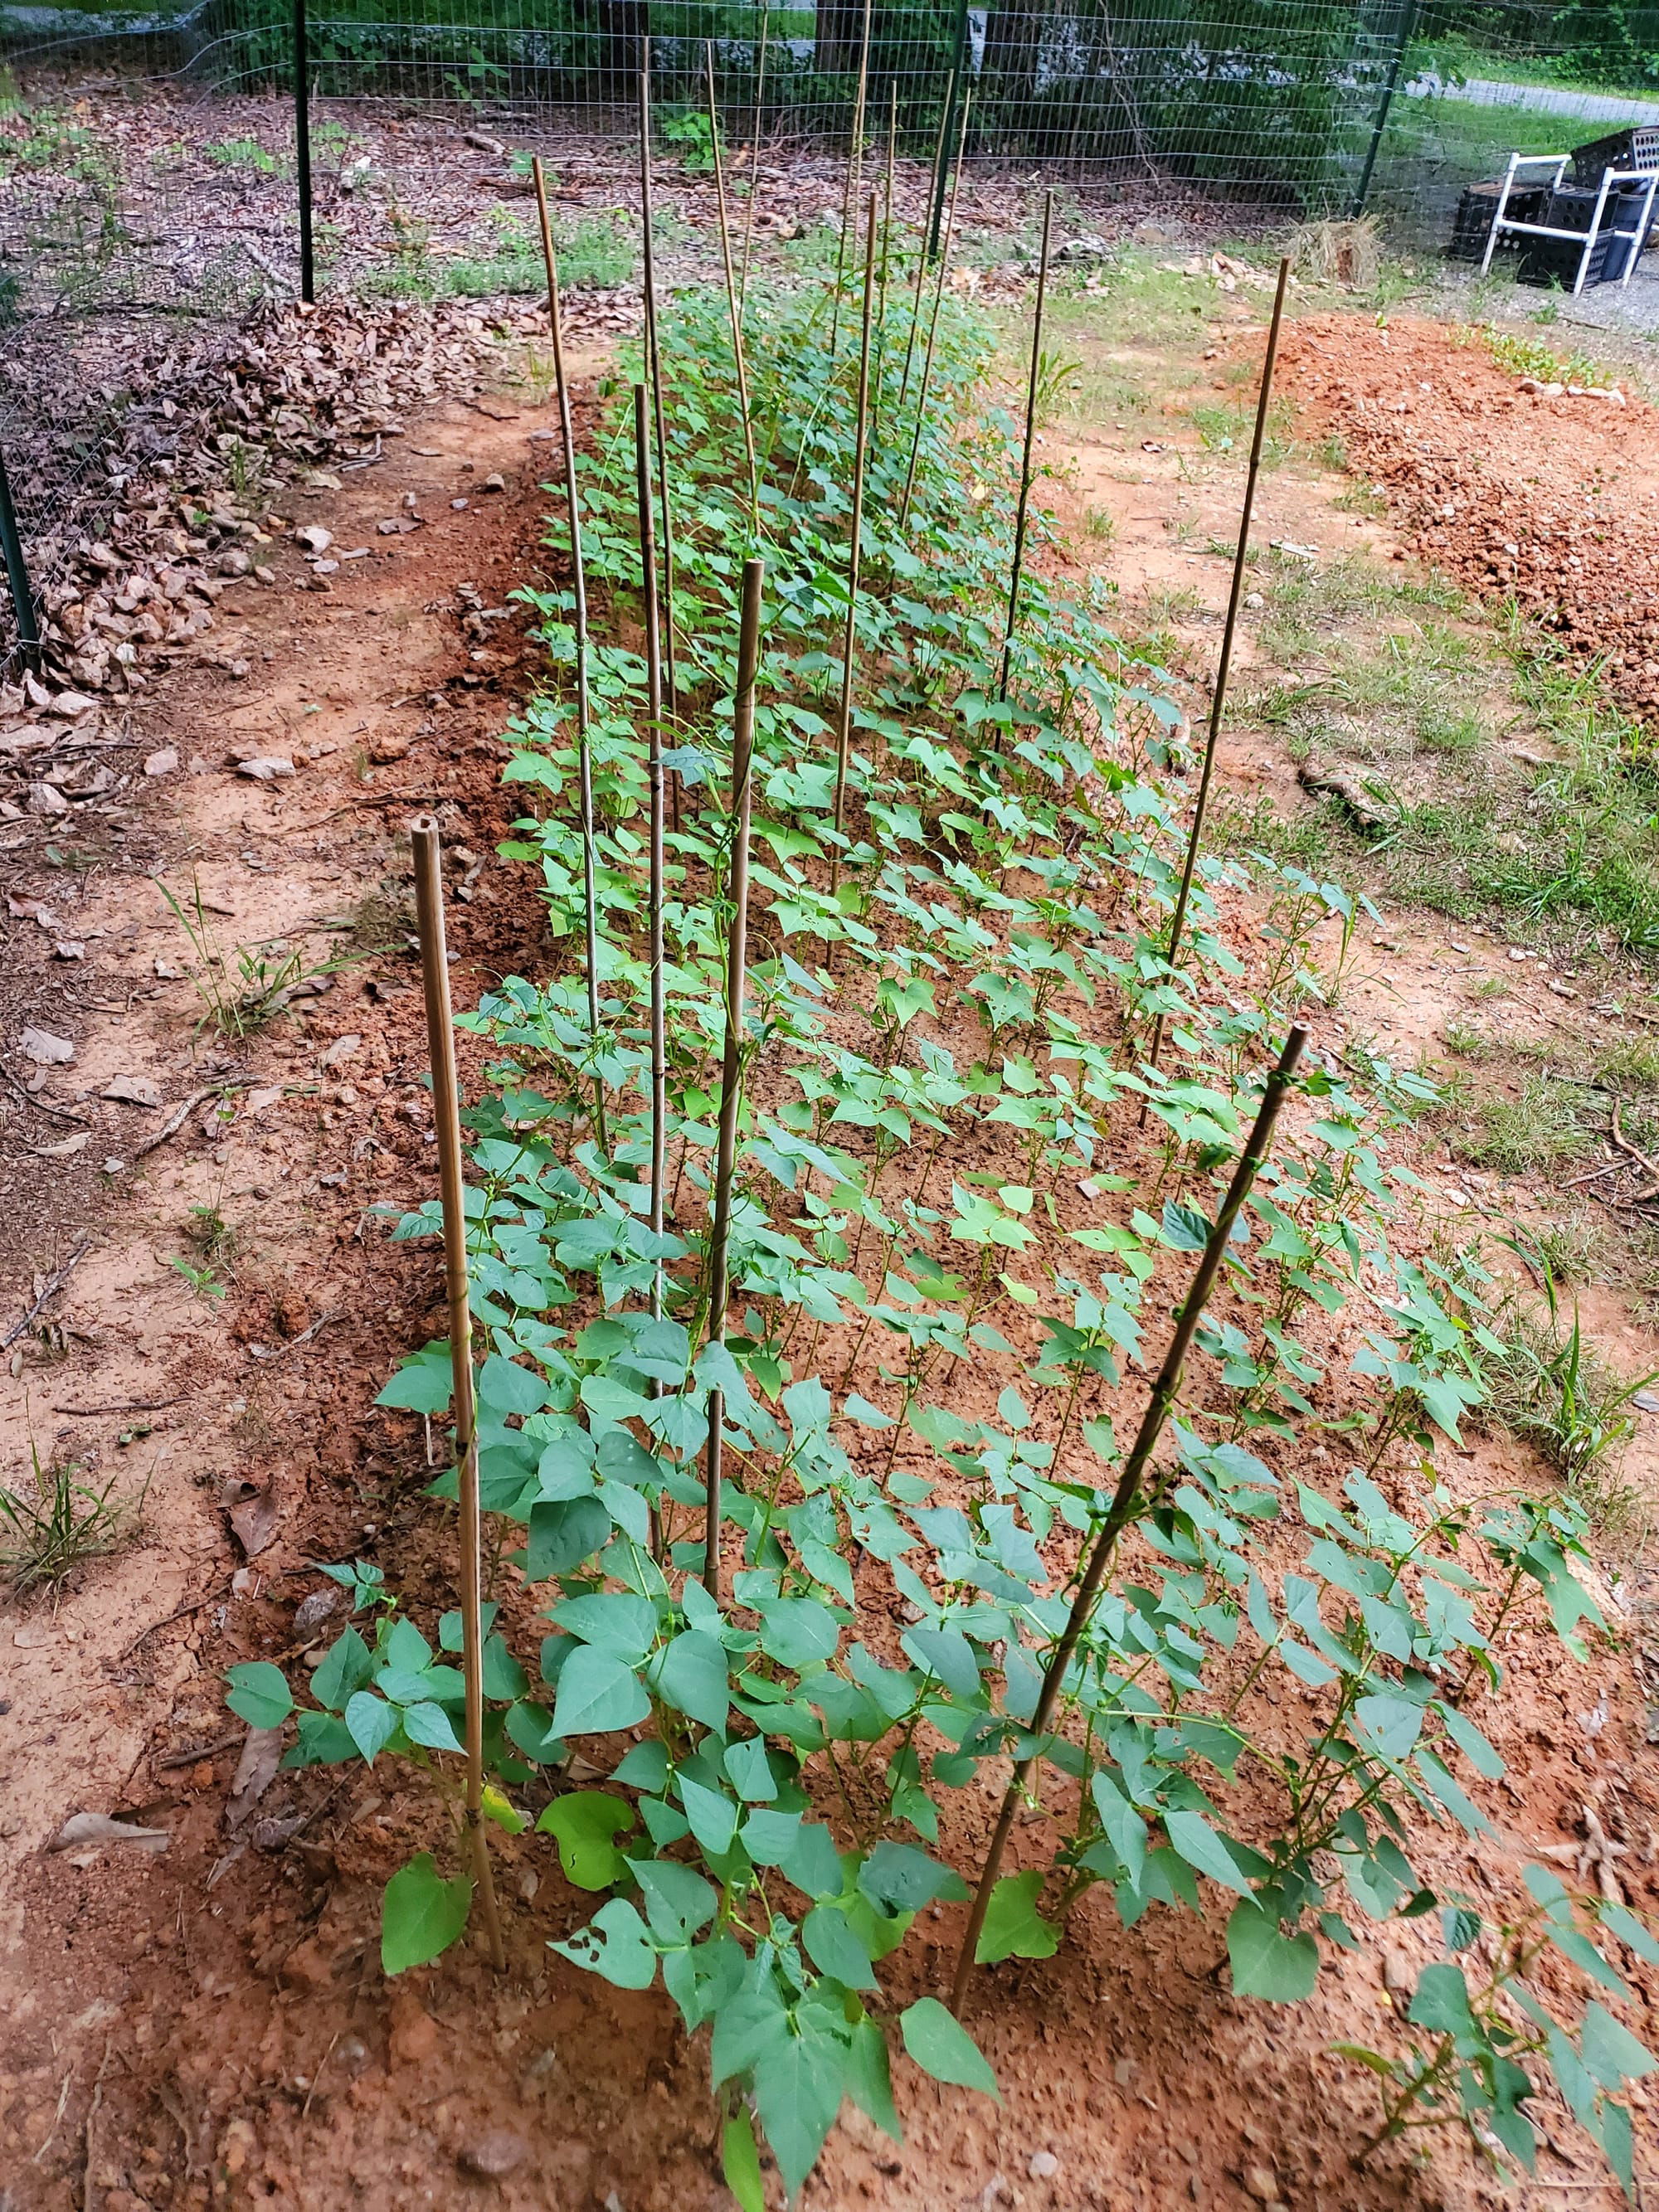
(312, 1611)
(68, 948)
(1261, 2183)
(167, 972)
(166, 762)
(1255, 599)
(262, 574)
(267, 769)
(459, 505)
(493, 481)
(45, 1049)
(342, 1048)
(71, 704)
(495, 2155)
(1042, 2166)
(46, 799)
(313, 536)
(234, 563)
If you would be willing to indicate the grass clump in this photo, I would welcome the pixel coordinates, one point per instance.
(59, 1520)
(1561, 1395)
(1537, 1128)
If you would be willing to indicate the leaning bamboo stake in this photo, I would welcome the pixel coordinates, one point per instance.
(446, 1104)
(754, 153)
(1017, 572)
(854, 173)
(732, 301)
(849, 649)
(579, 582)
(737, 962)
(922, 253)
(926, 385)
(1223, 665)
(653, 370)
(654, 789)
(1128, 1496)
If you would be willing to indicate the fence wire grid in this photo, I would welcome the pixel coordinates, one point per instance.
(149, 164)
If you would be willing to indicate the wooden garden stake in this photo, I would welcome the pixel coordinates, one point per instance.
(932, 328)
(579, 582)
(849, 651)
(1017, 572)
(737, 962)
(921, 256)
(886, 258)
(1223, 665)
(1127, 1495)
(732, 301)
(855, 168)
(446, 1107)
(754, 154)
(653, 370)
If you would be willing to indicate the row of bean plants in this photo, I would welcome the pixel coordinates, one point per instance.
(943, 1279)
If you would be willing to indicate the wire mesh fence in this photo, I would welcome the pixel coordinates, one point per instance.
(151, 173)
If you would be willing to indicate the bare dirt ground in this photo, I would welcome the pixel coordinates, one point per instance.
(209, 2025)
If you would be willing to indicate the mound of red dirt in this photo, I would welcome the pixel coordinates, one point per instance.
(1546, 494)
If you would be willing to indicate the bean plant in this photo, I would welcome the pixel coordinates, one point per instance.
(943, 1076)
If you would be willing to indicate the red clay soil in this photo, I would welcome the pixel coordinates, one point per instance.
(1548, 496)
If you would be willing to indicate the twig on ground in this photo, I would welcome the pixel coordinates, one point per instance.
(124, 1406)
(55, 1283)
(180, 1115)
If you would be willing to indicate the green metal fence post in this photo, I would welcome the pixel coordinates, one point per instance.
(18, 574)
(953, 99)
(302, 149)
(1407, 25)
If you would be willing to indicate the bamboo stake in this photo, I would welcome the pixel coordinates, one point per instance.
(754, 154)
(579, 580)
(850, 650)
(939, 302)
(1223, 665)
(1017, 572)
(653, 369)
(736, 962)
(921, 256)
(440, 1037)
(1127, 1495)
(735, 311)
(854, 172)
(654, 787)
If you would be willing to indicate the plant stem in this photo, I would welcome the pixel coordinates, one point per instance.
(579, 584)
(1223, 665)
(441, 1037)
(1017, 571)
(743, 744)
(1127, 1497)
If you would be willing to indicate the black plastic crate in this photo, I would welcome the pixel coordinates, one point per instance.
(1478, 210)
(1635, 148)
(1555, 260)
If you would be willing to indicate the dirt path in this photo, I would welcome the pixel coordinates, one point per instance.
(210, 2025)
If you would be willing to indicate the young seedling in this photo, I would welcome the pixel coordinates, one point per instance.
(737, 965)
(1127, 1497)
(579, 587)
(446, 1102)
